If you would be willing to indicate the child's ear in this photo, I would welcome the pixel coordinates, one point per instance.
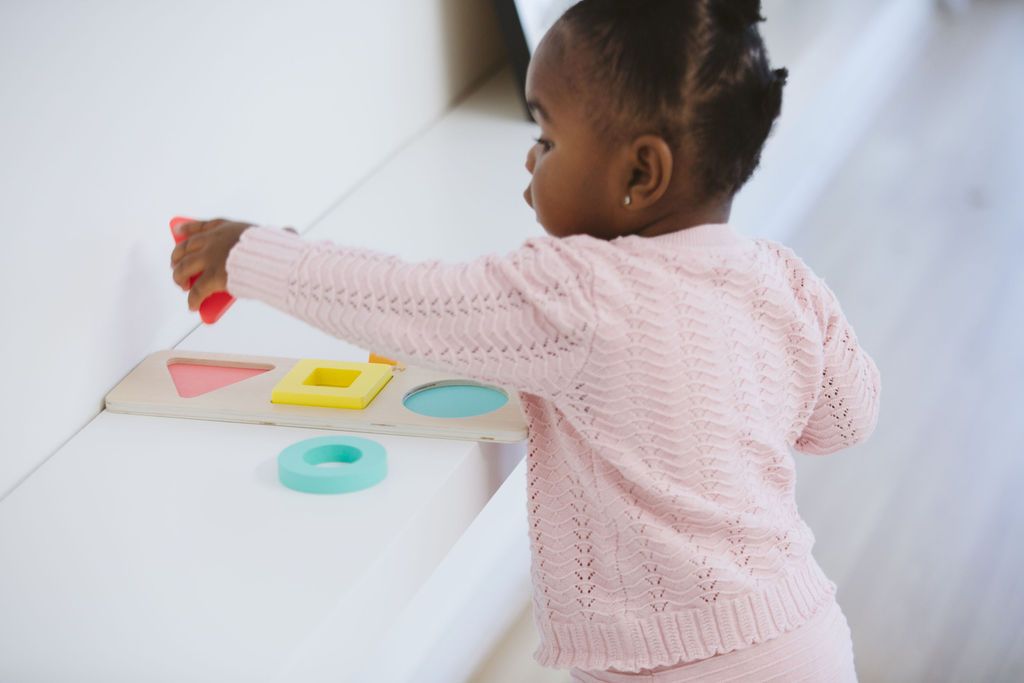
(650, 171)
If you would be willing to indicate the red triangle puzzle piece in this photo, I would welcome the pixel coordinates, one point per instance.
(191, 379)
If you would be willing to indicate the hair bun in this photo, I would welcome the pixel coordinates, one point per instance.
(737, 15)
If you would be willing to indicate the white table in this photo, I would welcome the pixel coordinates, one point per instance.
(163, 549)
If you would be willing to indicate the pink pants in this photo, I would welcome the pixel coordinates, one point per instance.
(819, 650)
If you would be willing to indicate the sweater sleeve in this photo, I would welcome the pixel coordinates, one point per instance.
(524, 320)
(847, 404)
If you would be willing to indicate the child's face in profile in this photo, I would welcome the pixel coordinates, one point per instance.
(573, 189)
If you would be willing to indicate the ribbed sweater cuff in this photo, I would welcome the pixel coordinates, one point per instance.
(260, 264)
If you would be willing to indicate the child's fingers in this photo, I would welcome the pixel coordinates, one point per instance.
(190, 228)
(181, 228)
(188, 246)
(197, 227)
(194, 295)
(206, 285)
(188, 266)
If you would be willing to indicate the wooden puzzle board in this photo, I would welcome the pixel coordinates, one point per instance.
(150, 390)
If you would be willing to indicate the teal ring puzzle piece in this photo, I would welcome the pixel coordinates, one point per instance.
(366, 464)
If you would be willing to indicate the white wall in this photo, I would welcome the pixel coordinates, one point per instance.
(116, 115)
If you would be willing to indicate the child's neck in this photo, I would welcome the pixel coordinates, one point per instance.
(680, 219)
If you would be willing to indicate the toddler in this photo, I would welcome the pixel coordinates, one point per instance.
(666, 363)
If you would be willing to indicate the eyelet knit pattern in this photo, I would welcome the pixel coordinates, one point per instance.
(664, 381)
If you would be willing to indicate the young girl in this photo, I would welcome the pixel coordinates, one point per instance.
(666, 363)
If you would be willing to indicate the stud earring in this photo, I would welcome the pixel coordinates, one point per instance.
(627, 201)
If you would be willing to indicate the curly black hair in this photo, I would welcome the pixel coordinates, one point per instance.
(693, 71)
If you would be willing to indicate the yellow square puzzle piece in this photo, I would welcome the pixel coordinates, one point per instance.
(332, 384)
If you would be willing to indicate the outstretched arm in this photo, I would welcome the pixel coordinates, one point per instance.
(523, 320)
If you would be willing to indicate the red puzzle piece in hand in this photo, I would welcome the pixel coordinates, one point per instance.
(213, 306)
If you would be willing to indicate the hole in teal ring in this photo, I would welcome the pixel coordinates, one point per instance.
(332, 455)
(455, 400)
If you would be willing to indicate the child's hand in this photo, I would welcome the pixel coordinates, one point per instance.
(205, 250)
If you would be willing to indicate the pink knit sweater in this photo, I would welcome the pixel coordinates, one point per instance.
(664, 381)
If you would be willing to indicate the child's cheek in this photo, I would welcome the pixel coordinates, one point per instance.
(550, 192)
(539, 189)
(552, 200)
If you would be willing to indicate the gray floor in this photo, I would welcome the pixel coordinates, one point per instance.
(922, 238)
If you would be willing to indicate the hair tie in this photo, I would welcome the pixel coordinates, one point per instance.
(737, 15)
(772, 102)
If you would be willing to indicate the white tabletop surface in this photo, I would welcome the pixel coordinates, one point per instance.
(164, 549)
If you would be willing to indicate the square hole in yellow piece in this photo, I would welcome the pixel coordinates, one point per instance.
(332, 384)
(331, 377)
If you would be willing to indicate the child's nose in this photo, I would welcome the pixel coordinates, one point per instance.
(530, 156)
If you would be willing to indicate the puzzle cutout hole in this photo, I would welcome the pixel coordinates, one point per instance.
(194, 378)
(332, 377)
(454, 399)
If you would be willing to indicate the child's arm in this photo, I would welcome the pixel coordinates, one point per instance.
(524, 320)
(846, 407)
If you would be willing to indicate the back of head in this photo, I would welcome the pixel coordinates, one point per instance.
(695, 72)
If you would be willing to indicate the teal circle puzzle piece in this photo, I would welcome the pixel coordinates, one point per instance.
(454, 400)
(365, 464)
